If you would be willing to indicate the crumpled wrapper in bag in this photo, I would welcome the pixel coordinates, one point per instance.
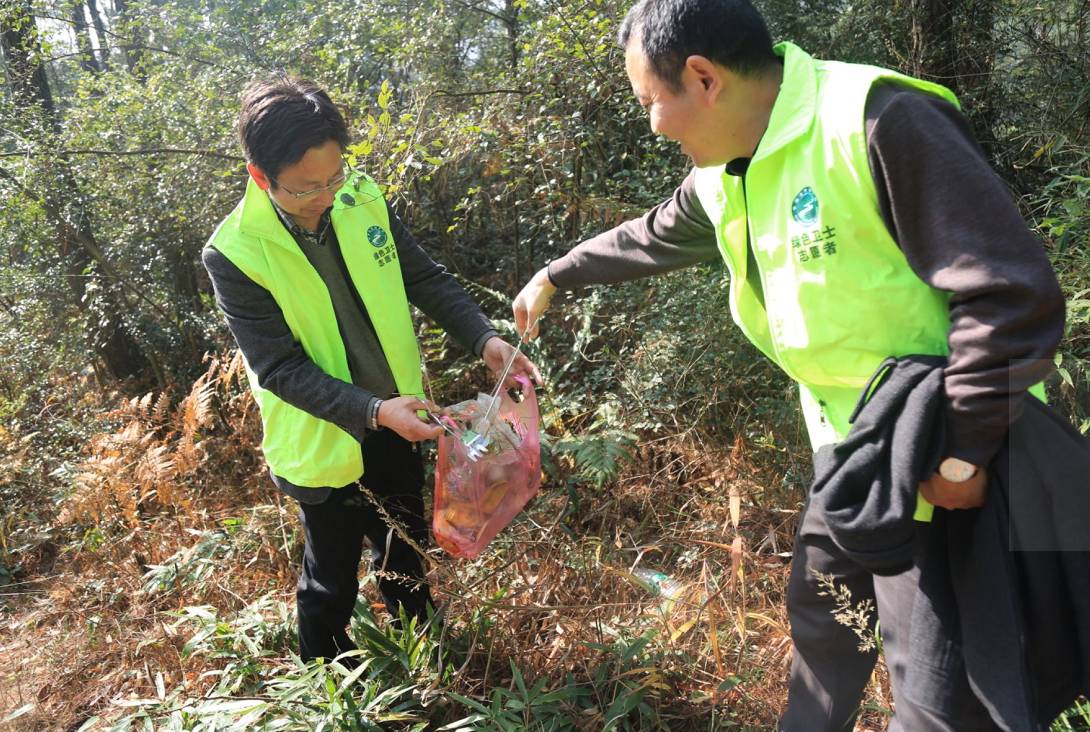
(476, 499)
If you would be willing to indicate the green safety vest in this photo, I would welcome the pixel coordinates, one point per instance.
(836, 295)
(299, 447)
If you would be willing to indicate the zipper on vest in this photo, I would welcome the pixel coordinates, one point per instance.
(759, 280)
(751, 259)
(342, 265)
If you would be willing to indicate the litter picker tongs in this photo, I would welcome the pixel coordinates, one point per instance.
(476, 443)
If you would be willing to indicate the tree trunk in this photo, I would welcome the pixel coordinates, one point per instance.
(953, 42)
(63, 202)
(135, 38)
(100, 31)
(976, 70)
(20, 44)
(87, 59)
(511, 13)
(931, 38)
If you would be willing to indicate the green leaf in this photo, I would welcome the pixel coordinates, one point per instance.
(25, 709)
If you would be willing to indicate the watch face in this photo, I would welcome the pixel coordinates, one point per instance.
(956, 471)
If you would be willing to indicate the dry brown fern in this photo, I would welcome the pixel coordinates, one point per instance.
(149, 461)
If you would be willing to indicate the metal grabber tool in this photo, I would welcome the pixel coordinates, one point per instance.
(477, 443)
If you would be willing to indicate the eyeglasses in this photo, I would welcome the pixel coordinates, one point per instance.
(332, 187)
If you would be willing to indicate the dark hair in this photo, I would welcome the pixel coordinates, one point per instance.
(731, 33)
(282, 118)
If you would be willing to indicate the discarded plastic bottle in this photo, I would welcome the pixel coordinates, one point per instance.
(662, 585)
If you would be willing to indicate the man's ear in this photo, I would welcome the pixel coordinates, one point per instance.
(259, 176)
(707, 75)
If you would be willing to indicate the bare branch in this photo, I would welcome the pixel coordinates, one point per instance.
(129, 44)
(118, 153)
(481, 93)
(502, 18)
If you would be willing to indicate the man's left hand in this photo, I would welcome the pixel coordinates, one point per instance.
(495, 355)
(946, 494)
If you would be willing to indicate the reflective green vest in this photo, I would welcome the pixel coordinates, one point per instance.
(299, 447)
(836, 295)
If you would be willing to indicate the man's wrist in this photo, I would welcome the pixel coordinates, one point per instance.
(375, 406)
(482, 341)
(549, 275)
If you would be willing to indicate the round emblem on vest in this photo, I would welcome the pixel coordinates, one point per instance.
(377, 236)
(804, 208)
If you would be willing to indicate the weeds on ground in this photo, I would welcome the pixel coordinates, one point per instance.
(180, 560)
(173, 605)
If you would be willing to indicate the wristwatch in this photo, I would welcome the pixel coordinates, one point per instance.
(957, 470)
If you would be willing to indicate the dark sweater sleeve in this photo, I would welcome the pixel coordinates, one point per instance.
(434, 290)
(961, 232)
(275, 357)
(674, 234)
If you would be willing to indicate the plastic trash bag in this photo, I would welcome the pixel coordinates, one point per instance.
(476, 499)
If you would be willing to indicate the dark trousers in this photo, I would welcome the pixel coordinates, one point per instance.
(828, 671)
(334, 532)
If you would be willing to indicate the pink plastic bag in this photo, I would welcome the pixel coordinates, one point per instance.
(476, 499)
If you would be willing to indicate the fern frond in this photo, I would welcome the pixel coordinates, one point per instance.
(599, 458)
(134, 433)
(235, 369)
(162, 407)
(156, 465)
(197, 407)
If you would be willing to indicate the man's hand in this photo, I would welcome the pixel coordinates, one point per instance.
(495, 355)
(531, 302)
(946, 494)
(399, 414)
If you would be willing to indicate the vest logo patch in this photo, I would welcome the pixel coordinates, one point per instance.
(377, 236)
(804, 209)
(384, 252)
(809, 246)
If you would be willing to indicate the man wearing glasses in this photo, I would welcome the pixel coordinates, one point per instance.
(314, 273)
